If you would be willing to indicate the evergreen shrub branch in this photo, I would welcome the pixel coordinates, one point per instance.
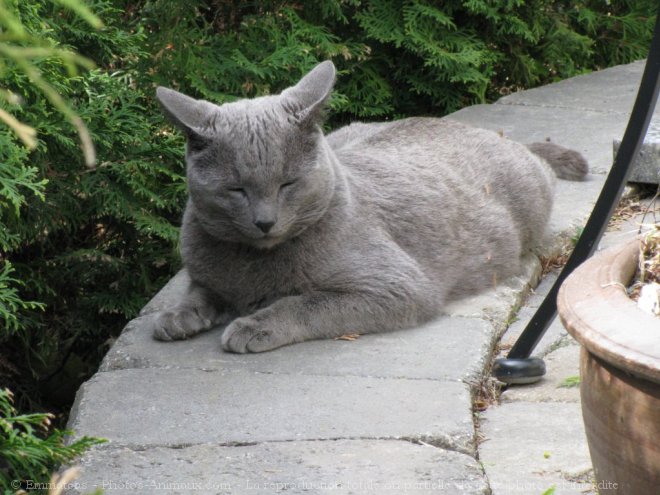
(23, 48)
(29, 450)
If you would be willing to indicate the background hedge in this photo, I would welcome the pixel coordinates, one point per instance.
(82, 249)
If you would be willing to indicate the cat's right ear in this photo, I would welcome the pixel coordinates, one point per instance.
(188, 114)
(305, 100)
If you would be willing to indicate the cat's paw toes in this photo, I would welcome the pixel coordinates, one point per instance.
(180, 324)
(249, 335)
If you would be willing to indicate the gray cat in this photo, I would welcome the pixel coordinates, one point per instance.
(290, 235)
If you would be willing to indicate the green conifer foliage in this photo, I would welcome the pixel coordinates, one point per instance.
(30, 451)
(88, 245)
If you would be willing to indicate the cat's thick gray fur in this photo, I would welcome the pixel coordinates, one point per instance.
(371, 228)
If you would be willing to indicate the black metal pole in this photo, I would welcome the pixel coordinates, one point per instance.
(518, 367)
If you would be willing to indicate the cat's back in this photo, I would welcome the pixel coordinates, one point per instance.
(438, 187)
(445, 146)
(405, 171)
(432, 163)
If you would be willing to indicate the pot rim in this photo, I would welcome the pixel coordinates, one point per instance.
(595, 309)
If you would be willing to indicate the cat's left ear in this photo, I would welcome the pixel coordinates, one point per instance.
(306, 99)
(190, 115)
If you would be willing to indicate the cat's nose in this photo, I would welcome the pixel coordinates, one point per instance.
(264, 226)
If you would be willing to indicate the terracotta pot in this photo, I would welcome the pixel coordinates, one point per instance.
(620, 371)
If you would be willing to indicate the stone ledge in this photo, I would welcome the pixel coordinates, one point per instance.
(612, 91)
(186, 407)
(337, 466)
(428, 352)
(530, 447)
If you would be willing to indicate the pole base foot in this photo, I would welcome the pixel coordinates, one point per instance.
(519, 371)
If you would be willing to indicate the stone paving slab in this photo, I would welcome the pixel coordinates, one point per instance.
(541, 290)
(428, 352)
(179, 407)
(560, 384)
(589, 132)
(611, 91)
(529, 448)
(570, 210)
(334, 467)
(169, 294)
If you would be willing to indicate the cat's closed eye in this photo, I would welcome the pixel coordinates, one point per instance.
(288, 184)
(237, 191)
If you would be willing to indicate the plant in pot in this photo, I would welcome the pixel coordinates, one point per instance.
(619, 366)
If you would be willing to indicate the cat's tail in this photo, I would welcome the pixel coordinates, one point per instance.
(567, 164)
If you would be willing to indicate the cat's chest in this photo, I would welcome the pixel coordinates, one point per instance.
(247, 279)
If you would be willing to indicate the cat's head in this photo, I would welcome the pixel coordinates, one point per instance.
(259, 171)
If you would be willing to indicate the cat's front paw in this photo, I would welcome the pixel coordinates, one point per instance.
(248, 334)
(183, 323)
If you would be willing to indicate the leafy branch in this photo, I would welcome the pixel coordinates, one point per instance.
(25, 51)
(28, 450)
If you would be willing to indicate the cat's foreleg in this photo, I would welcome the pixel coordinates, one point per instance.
(319, 316)
(195, 313)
